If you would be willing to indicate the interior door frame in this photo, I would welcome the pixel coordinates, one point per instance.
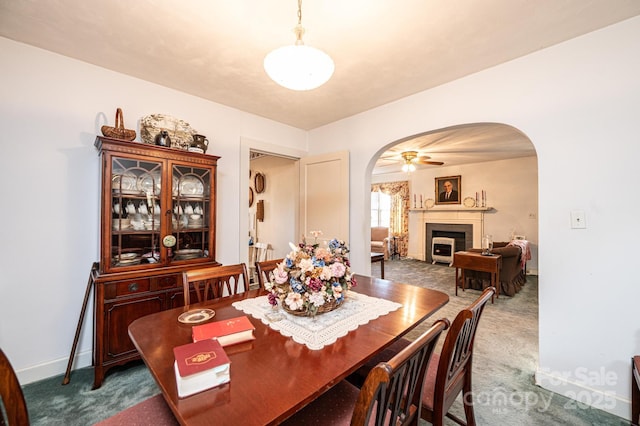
(246, 146)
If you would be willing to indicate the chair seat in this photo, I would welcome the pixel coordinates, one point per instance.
(341, 398)
(153, 411)
(357, 378)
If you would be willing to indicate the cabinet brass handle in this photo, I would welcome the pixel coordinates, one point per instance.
(133, 287)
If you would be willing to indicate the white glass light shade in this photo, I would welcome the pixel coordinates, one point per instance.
(299, 67)
(408, 167)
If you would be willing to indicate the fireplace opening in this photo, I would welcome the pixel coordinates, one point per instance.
(462, 234)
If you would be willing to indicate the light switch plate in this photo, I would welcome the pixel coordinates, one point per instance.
(578, 220)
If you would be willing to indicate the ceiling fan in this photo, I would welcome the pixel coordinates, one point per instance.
(411, 157)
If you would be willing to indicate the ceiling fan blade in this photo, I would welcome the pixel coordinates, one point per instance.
(424, 160)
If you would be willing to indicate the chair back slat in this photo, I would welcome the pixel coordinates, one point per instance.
(457, 351)
(264, 269)
(215, 282)
(392, 391)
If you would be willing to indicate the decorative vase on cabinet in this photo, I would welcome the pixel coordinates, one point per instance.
(158, 219)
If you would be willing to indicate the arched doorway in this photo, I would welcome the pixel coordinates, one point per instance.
(491, 159)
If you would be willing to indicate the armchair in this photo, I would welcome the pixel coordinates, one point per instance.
(380, 240)
(512, 274)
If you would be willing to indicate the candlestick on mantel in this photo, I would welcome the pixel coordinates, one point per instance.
(420, 200)
(414, 201)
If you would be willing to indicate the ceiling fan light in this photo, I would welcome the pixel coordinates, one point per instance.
(299, 67)
(408, 167)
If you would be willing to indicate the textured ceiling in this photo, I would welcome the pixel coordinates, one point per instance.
(383, 50)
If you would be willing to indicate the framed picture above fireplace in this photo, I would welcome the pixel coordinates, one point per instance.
(448, 189)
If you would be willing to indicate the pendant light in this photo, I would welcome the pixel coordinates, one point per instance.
(299, 67)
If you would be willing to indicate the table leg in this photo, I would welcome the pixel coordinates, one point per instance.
(498, 266)
(382, 268)
(493, 283)
(455, 284)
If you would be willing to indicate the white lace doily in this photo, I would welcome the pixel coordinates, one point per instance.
(325, 328)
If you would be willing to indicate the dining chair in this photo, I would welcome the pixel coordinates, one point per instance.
(13, 400)
(259, 253)
(263, 269)
(391, 393)
(214, 282)
(449, 372)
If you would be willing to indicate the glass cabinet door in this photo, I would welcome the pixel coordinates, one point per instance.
(135, 220)
(191, 212)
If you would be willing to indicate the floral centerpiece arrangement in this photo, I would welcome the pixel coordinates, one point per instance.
(312, 279)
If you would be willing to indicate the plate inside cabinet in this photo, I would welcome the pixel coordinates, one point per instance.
(125, 184)
(250, 197)
(196, 316)
(150, 183)
(469, 202)
(191, 185)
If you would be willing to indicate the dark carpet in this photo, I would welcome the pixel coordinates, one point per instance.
(505, 360)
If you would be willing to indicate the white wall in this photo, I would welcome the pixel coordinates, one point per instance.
(578, 103)
(512, 190)
(51, 109)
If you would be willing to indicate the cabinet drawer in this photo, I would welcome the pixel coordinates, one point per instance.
(139, 285)
(165, 282)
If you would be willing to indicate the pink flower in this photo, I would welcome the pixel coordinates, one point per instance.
(280, 275)
(338, 269)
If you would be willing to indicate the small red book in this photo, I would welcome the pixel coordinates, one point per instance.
(227, 332)
(199, 366)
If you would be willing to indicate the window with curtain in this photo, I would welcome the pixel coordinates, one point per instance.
(397, 194)
(380, 209)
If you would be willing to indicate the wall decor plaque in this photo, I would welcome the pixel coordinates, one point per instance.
(180, 132)
(259, 183)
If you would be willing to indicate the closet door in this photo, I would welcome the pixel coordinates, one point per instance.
(324, 196)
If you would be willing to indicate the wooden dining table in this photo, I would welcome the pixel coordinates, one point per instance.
(273, 376)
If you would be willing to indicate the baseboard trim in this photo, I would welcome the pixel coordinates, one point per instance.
(53, 368)
(416, 256)
(581, 395)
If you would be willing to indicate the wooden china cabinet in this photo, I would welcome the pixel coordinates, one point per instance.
(158, 219)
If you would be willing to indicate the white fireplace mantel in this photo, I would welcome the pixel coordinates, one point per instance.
(447, 215)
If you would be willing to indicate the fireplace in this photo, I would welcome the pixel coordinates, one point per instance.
(461, 233)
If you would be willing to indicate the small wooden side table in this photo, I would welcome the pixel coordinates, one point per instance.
(378, 257)
(635, 390)
(478, 262)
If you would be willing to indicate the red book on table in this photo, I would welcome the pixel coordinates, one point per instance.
(199, 366)
(227, 332)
